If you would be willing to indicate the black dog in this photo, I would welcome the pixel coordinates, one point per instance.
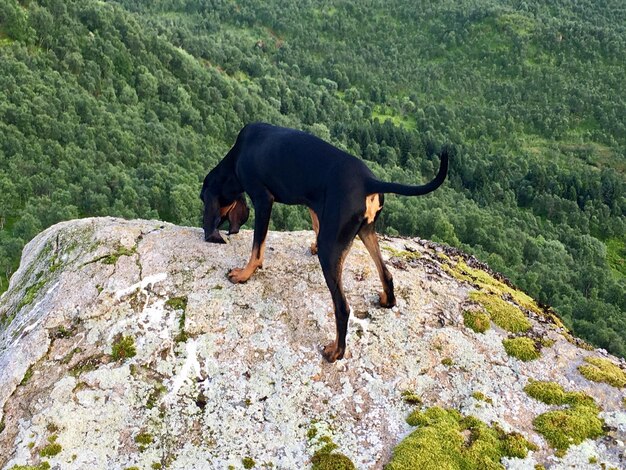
(275, 164)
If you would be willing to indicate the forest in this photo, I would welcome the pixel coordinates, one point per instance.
(121, 107)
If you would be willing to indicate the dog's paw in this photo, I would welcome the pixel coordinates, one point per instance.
(313, 248)
(237, 276)
(332, 353)
(385, 301)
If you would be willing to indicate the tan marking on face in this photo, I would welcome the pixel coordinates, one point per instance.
(372, 207)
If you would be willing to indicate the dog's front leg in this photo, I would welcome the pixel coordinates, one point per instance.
(262, 210)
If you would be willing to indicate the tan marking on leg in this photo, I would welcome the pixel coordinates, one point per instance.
(241, 275)
(372, 207)
(370, 240)
(316, 228)
(226, 209)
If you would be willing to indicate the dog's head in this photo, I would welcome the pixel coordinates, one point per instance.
(221, 204)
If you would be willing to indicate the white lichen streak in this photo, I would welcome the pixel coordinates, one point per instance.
(34, 314)
(141, 285)
(191, 365)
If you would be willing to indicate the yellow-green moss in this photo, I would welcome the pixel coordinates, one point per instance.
(502, 313)
(405, 254)
(123, 348)
(447, 440)
(446, 361)
(31, 294)
(155, 395)
(325, 458)
(482, 397)
(41, 466)
(27, 376)
(522, 348)
(121, 251)
(331, 461)
(568, 426)
(411, 398)
(477, 321)
(156, 465)
(563, 428)
(177, 303)
(144, 439)
(490, 284)
(52, 449)
(603, 370)
(552, 393)
(248, 462)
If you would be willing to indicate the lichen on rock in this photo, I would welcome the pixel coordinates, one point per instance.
(126, 342)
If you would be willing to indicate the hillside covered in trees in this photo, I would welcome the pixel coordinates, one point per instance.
(120, 108)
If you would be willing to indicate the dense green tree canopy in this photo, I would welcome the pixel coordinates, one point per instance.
(120, 108)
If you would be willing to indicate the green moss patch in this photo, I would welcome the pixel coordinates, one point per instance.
(569, 426)
(31, 294)
(144, 439)
(248, 462)
(507, 316)
(404, 254)
(481, 397)
(123, 348)
(325, 458)
(521, 348)
(490, 284)
(563, 428)
(603, 370)
(121, 251)
(27, 376)
(552, 393)
(177, 303)
(447, 440)
(411, 398)
(41, 466)
(53, 448)
(331, 461)
(477, 321)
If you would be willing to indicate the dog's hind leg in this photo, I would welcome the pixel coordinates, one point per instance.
(368, 236)
(333, 246)
(262, 212)
(316, 228)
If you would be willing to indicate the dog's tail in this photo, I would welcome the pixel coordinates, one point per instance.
(376, 186)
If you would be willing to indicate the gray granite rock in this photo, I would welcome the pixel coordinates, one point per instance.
(222, 372)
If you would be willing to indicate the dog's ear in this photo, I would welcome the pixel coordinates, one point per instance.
(238, 215)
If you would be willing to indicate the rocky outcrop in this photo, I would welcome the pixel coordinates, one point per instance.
(123, 344)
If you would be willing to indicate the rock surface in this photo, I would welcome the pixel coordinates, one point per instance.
(226, 372)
